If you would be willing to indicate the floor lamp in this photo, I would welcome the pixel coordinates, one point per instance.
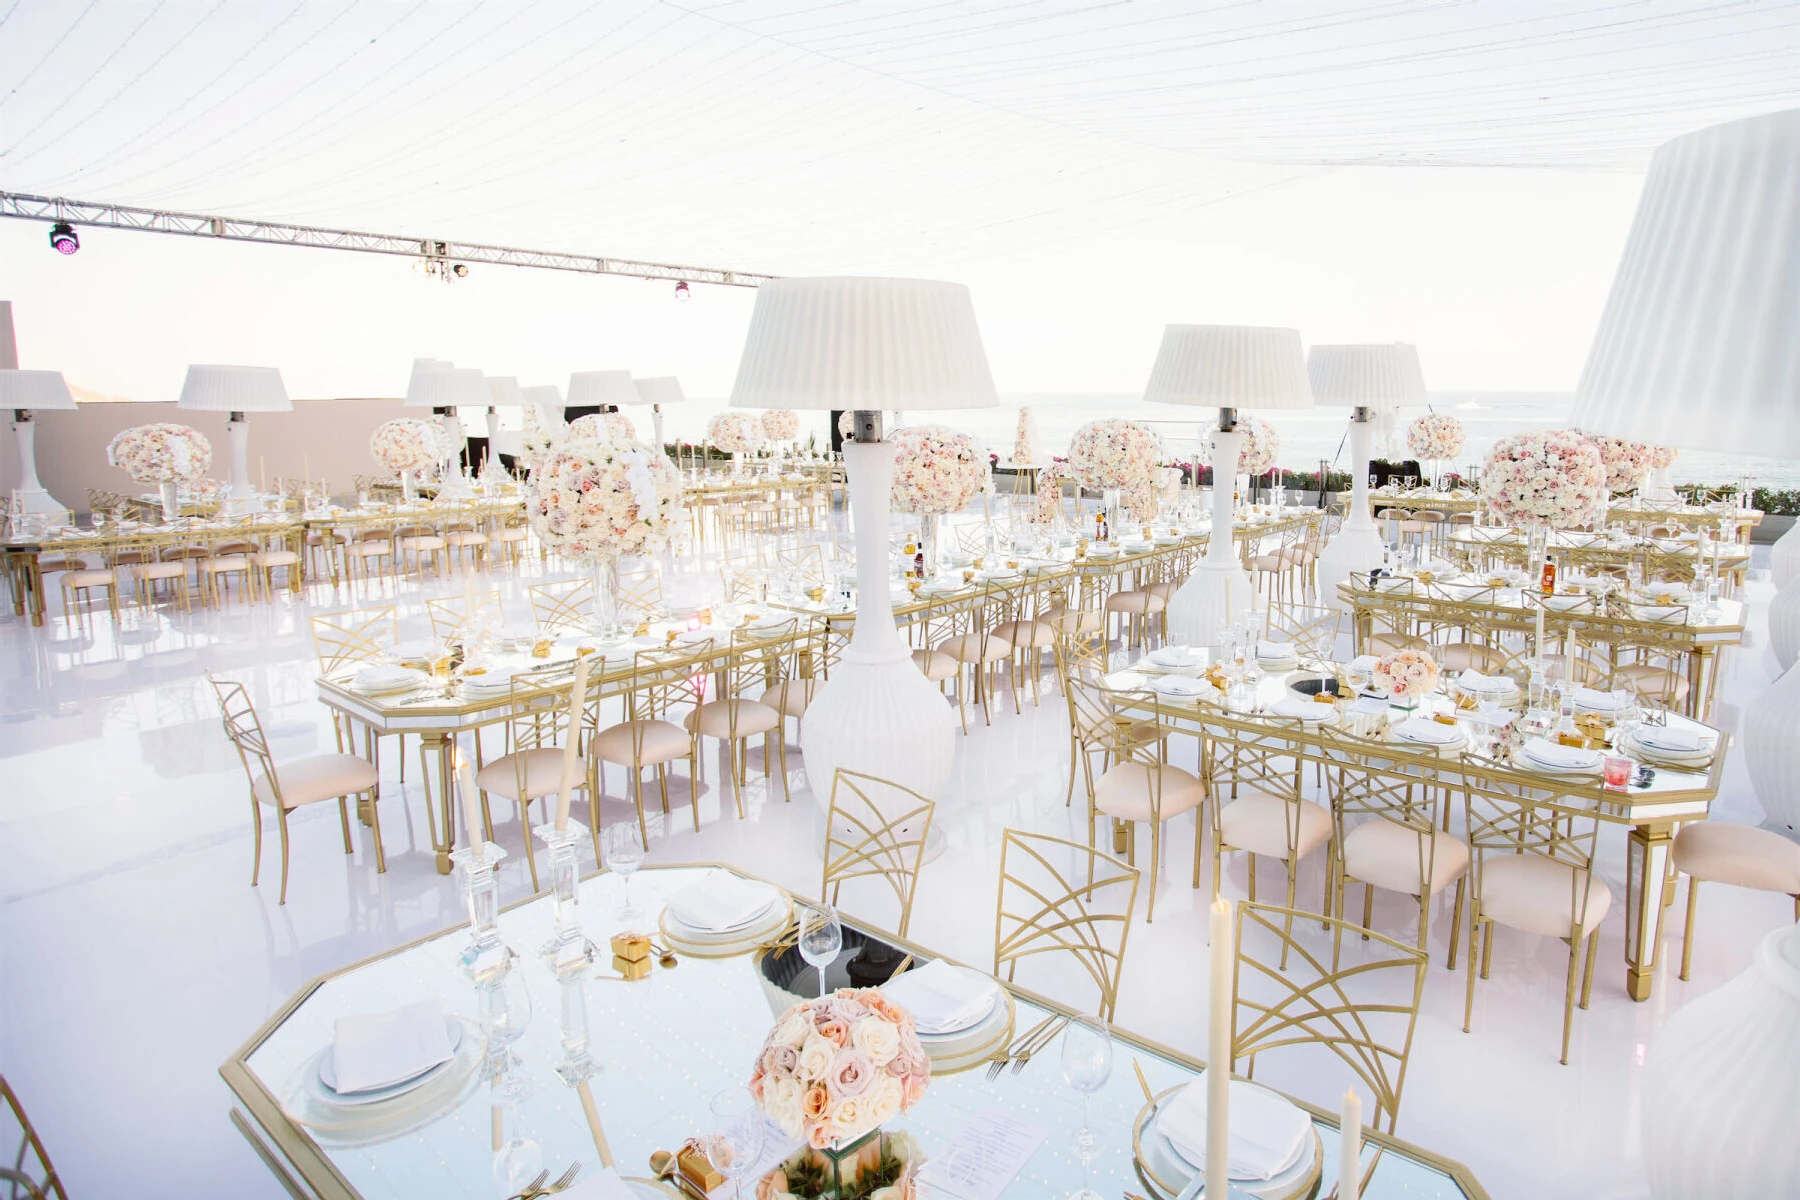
(599, 391)
(238, 391)
(1367, 380)
(25, 392)
(444, 389)
(657, 391)
(869, 345)
(1227, 367)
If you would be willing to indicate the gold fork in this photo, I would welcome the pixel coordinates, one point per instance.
(562, 1183)
(1048, 1036)
(1005, 1053)
(532, 1187)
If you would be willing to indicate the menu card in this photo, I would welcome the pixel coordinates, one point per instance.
(984, 1158)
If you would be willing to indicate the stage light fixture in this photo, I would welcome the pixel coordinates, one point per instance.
(63, 239)
(461, 269)
(681, 290)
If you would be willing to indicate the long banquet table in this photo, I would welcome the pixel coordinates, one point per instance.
(667, 1043)
(1648, 815)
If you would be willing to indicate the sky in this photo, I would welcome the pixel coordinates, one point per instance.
(1457, 175)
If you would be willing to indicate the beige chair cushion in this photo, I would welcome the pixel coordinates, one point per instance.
(1670, 686)
(714, 719)
(226, 563)
(375, 549)
(1027, 635)
(1258, 822)
(168, 570)
(84, 579)
(937, 665)
(1079, 623)
(466, 537)
(1392, 856)
(1165, 589)
(967, 647)
(512, 533)
(543, 773)
(428, 541)
(321, 777)
(662, 742)
(1537, 894)
(275, 558)
(791, 697)
(1135, 602)
(1741, 855)
(1125, 791)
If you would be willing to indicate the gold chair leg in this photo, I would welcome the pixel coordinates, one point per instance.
(344, 820)
(530, 852)
(1475, 937)
(1569, 997)
(1587, 971)
(1455, 925)
(1687, 936)
(375, 825)
(281, 813)
(256, 868)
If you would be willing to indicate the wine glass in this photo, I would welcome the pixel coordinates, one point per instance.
(624, 854)
(1087, 1055)
(518, 1162)
(735, 1141)
(821, 937)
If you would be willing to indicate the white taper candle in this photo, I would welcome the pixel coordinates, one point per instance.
(1218, 1053)
(1350, 1147)
(572, 742)
(465, 783)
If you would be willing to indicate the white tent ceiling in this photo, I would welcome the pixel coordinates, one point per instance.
(812, 135)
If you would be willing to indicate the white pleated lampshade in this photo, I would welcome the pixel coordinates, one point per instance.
(1230, 366)
(442, 386)
(234, 389)
(660, 389)
(589, 389)
(544, 395)
(856, 343)
(1697, 346)
(42, 390)
(1381, 377)
(504, 392)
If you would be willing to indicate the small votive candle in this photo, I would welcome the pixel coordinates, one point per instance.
(1616, 772)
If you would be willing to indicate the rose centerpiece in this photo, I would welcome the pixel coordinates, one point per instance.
(1024, 440)
(1049, 496)
(1405, 675)
(407, 445)
(615, 426)
(1543, 480)
(165, 454)
(736, 433)
(1113, 456)
(594, 499)
(936, 471)
(1261, 445)
(1626, 463)
(830, 1073)
(780, 424)
(1435, 437)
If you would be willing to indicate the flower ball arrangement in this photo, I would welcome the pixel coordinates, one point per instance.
(160, 453)
(599, 498)
(1626, 463)
(1261, 445)
(407, 444)
(1405, 675)
(780, 424)
(1551, 477)
(1663, 457)
(614, 425)
(540, 437)
(1113, 454)
(847, 424)
(1024, 444)
(1435, 436)
(936, 470)
(734, 432)
(1049, 496)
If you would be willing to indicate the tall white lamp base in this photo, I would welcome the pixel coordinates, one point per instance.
(1215, 594)
(1350, 549)
(1771, 733)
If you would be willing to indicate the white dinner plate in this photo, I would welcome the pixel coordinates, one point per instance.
(1179, 685)
(1427, 732)
(325, 1075)
(1170, 1164)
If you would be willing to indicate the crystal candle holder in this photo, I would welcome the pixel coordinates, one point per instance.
(568, 948)
(486, 954)
(577, 1063)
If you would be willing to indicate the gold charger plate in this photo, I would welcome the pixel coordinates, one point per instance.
(1306, 1187)
(740, 941)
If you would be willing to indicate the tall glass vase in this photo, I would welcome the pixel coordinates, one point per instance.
(171, 502)
(1537, 548)
(408, 487)
(606, 596)
(930, 530)
(1110, 498)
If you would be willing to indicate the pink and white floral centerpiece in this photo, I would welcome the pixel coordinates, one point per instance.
(1049, 497)
(1261, 445)
(160, 453)
(1024, 445)
(936, 470)
(1663, 457)
(847, 424)
(780, 424)
(615, 426)
(1113, 454)
(1549, 478)
(1405, 675)
(540, 437)
(834, 1069)
(1626, 462)
(1434, 437)
(734, 432)
(406, 444)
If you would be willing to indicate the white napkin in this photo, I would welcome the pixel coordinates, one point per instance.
(379, 1049)
(606, 1185)
(1485, 685)
(943, 998)
(1275, 651)
(1595, 700)
(1179, 685)
(371, 676)
(1423, 729)
(720, 902)
(1306, 710)
(1174, 656)
(1555, 754)
(1677, 741)
(1267, 1132)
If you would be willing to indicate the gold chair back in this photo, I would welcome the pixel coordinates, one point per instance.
(245, 730)
(344, 638)
(875, 828)
(449, 614)
(1349, 990)
(30, 1166)
(562, 605)
(1083, 911)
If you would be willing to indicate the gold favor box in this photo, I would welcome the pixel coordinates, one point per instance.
(632, 947)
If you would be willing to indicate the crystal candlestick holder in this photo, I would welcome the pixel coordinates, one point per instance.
(485, 954)
(568, 948)
(577, 1063)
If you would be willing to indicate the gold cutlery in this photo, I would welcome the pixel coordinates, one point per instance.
(668, 1169)
(532, 1187)
(1149, 1096)
(901, 969)
(563, 1182)
(1006, 1053)
(1045, 1039)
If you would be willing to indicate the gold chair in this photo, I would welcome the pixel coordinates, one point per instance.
(1534, 871)
(348, 637)
(1258, 806)
(78, 584)
(1041, 911)
(977, 646)
(1312, 628)
(1028, 629)
(448, 614)
(266, 560)
(1363, 1011)
(875, 828)
(509, 539)
(1138, 784)
(303, 781)
(540, 722)
(1387, 833)
(228, 559)
(1740, 855)
(419, 541)
(372, 552)
(466, 545)
(566, 604)
(734, 719)
(30, 1163)
(640, 596)
(661, 682)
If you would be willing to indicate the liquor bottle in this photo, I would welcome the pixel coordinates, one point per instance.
(919, 563)
(1100, 526)
(1547, 584)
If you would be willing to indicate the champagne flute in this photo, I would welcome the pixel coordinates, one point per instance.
(821, 938)
(624, 854)
(735, 1141)
(1087, 1054)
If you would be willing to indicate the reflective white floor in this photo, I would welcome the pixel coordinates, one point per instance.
(135, 956)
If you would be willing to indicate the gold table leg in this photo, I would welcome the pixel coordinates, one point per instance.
(443, 832)
(1647, 862)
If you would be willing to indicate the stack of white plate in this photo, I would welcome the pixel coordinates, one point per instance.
(373, 1115)
(1173, 658)
(724, 915)
(1275, 1149)
(383, 679)
(1276, 656)
(1181, 687)
(1423, 731)
(1310, 711)
(1554, 758)
(1670, 747)
(962, 1016)
(1594, 700)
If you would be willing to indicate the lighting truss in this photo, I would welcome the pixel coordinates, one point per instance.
(431, 250)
